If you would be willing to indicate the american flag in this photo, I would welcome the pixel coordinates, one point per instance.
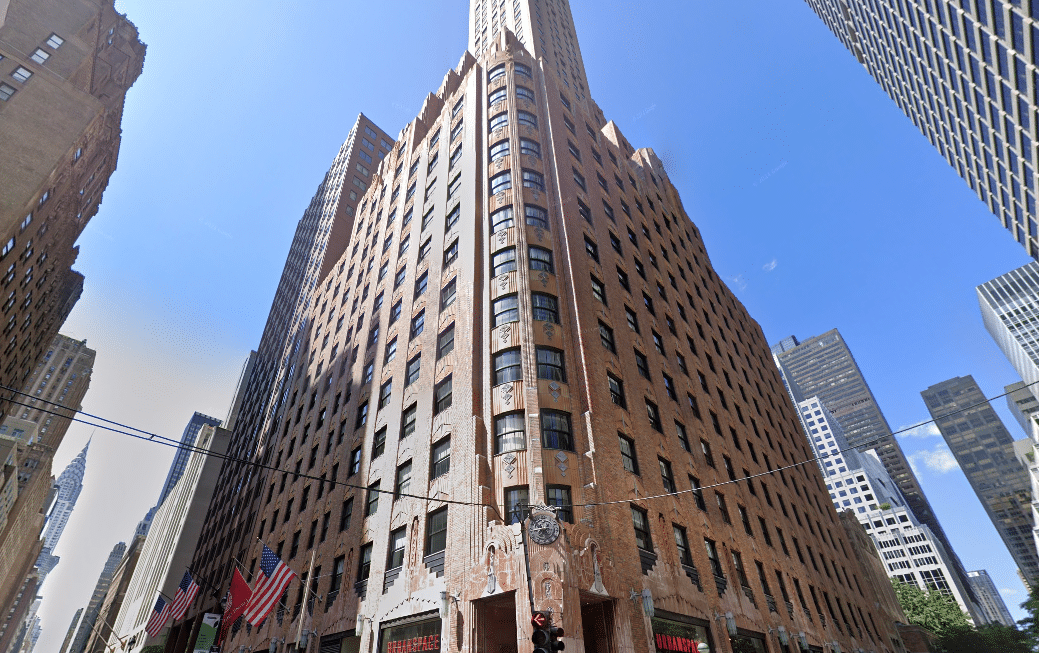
(159, 617)
(274, 576)
(185, 595)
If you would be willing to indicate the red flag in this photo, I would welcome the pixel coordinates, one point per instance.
(237, 599)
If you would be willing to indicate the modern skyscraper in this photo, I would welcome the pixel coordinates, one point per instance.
(1022, 404)
(86, 626)
(965, 74)
(858, 483)
(985, 452)
(824, 367)
(69, 485)
(989, 599)
(180, 459)
(1010, 310)
(468, 360)
(71, 631)
(63, 78)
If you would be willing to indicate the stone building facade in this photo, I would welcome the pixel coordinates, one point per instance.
(64, 73)
(524, 321)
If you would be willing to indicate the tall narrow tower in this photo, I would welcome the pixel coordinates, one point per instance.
(69, 485)
(523, 320)
(965, 74)
(985, 452)
(180, 460)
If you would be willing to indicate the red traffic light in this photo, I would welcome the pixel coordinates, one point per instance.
(539, 620)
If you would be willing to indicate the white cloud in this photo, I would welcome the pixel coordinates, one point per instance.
(939, 460)
(929, 430)
(1007, 590)
(771, 265)
(739, 281)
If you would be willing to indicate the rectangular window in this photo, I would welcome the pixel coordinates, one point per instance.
(723, 507)
(641, 363)
(599, 291)
(442, 396)
(579, 178)
(697, 493)
(653, 413)
(712, 557)
(503, 262)
(606, 337)
(436, 531)
(385, 393)
(403, 480)
(421, 283)
(667, 476)
(379, 443)
(707, 456)
(418, 324)
(364, 564)
(628, 457)
(440, 462)
(591, 248)
(541, 259)
(447, 293)
(556, 432)
(516, 504)
(408, 420)
(345, 514)
(413, 370)
(451, 253)
(682, 544)
(446, 342)
(633, 320)
(391, 351)
(616, 390)
(362, 415)
(559, 497)
(395, 551)
(551, 365)
(683, 437)
(640, 520)
(373, 499)
(741, 572)
(452, 217)
(546, 308)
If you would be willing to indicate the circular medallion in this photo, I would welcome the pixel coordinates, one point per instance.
(543, 529)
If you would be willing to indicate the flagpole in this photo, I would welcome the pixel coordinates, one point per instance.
(306, 591)
(216, 590)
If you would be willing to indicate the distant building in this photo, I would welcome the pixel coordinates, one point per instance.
(113, 599)
(1022, 404)
(69, 485)
(824, 367)
(989, 599)
(71, 631)
(59, 381)
(985, 452)
(180, 460)
(89, 622)
(166, 552)
(859, 484)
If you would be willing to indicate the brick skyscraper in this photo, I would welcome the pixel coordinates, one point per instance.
(523, 317)
(965, 74)
(64, 73)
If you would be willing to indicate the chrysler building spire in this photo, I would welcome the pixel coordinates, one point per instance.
(69, 485)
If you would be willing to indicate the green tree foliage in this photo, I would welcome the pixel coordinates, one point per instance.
(1030, 624)
(940, 614)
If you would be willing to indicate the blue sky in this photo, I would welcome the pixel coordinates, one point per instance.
(819, 202)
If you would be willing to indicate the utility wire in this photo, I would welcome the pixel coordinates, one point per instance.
(151, 437)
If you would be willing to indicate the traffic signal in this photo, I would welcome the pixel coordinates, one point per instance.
(554, 633)
(545, 636)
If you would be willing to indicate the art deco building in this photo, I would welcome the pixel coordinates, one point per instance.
(37, 420)
(68, 486)
(524, 318)
(859, 484)
(824, 367)
(64, 73)
(965, 74)
(985, 452)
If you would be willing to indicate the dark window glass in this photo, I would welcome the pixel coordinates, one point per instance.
(641, 522)
(516, 504)
(507, 366)
(436, 531)
(551, 365)
(546, 308)
(559, 496)
(555, 430)
(440, 458)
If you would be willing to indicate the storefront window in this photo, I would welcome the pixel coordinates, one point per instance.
(672, 636)
(411, 637)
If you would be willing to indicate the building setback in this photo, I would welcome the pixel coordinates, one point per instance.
(989, 598)
(985, 452)
(524, 317)
(965, 74)
(69, 485)
(824, 367)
